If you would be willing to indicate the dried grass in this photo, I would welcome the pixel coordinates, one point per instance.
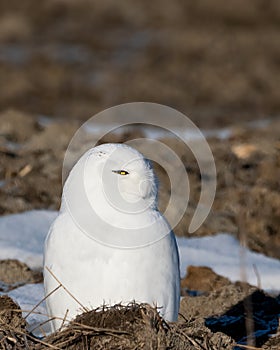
(135, 326)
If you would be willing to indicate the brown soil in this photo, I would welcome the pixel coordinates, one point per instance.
(202, 279)
(14, 273)
(209, 59)
(119, 327)
(216, 319)
(9, 314)
(247, 205)
(247, 198)
(216, 316)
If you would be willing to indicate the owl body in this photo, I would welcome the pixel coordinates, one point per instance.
(113, 255)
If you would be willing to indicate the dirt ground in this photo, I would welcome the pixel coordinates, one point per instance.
(247, 176)
(217, 62)
(246, 205)
(207, 58)
(220, 317)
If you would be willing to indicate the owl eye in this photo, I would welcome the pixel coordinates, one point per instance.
(121, 172)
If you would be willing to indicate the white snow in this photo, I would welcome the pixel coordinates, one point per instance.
(226, 257)
(22, 237)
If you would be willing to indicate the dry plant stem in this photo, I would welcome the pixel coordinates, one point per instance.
(105, 330)
(35, 339)
(71, 295)
(25, 170)
(26, 343)
(64, 319)
(41, 324)
(81, 325)
(249, 320)
(259, 283)
(35, 307)
(42, 342)
(42, 331)
(249, 347)
(192, 341)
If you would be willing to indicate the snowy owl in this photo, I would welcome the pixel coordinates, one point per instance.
(109, 243)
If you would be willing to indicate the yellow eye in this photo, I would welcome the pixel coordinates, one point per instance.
(121, 172)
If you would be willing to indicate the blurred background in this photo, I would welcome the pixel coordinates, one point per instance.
(216, 61)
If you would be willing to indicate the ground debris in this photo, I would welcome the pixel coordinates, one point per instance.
(136, 326)
(14, 273)
(215, 320)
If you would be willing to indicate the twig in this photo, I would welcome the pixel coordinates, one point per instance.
(81, 325)
(192, 341)
(35, 307)
(41, 341)
(259, 284)
(71, 295)
(41, 324)
(26, 343)
(64, 319)
(247, 347)
(100, 330)
(42, 331)
(25, 170)
(249, 320)
(36, 339)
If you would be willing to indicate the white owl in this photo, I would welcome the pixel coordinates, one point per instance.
(109, 243)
